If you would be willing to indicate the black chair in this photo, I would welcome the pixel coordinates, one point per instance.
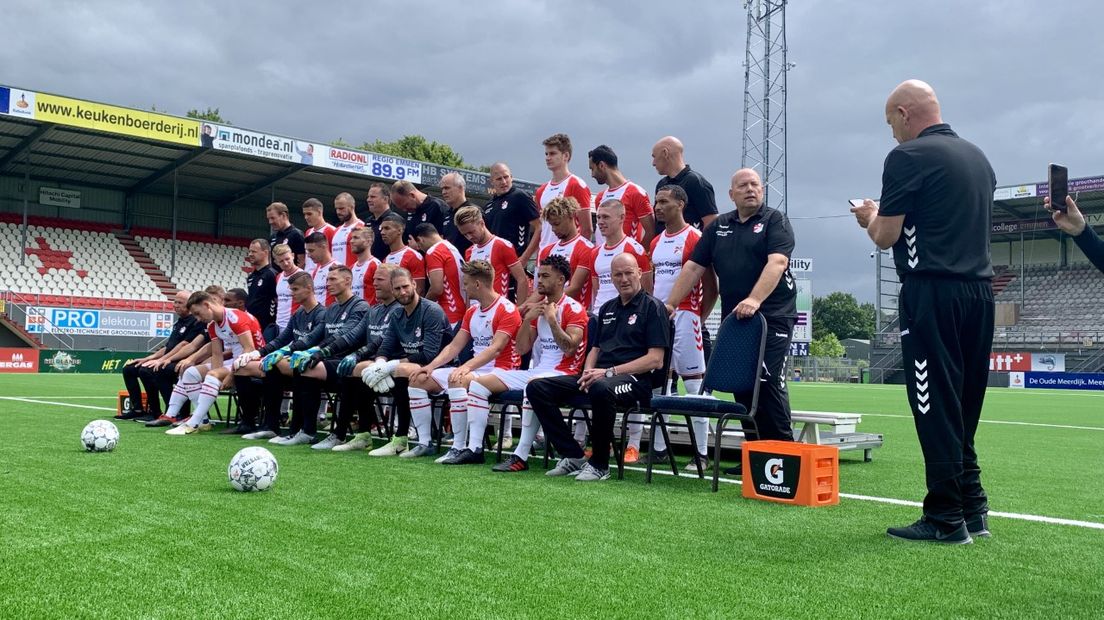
(735, 368)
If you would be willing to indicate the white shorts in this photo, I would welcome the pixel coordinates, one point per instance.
(518, 379)
(687, 355)
(441, 375)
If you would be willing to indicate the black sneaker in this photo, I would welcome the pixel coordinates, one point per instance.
(514, 463)
(734, 471)
(657, 457)
(978, 526)
(148, 416)
(130, 414)
(468, 456)
(925, 531)
(240, 429)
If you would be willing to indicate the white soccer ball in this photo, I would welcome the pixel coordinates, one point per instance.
(100, 436)
(253, 469)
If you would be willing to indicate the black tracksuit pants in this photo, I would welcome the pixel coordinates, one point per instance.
(946, 338)
(131, 376)
(773, 414)
(359, 399)
(605, 395)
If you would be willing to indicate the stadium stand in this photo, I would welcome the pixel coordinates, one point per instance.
(1058, 298)
(70, 267)
(198, 263)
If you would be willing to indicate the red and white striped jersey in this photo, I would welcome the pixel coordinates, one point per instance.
(233, 323)
(501, 255)
(601, 259)
(319, 275)
(572, 186)
(444, 257)
(326, 229)
(285, 306)
(483, 323)
(363, 272)
(669, 253)
(637, 207)
(547, 354)
(577, 251)
(339, 243)
(408, 259)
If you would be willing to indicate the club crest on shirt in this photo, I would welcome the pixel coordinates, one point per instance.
(632, 319)
(425, 216)
(758, 228)
(417, 332)
(343, 315)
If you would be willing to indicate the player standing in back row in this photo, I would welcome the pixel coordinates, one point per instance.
(557, 154)
(316, 223)
(937, 189)
(639, 218)
(340, 242)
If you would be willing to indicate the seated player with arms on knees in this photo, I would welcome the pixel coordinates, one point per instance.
(231, 331)
(356, 397)
(554, 329)
(146, 369)
(629, 343)
(491, 326)
(413, 336)
(262, 400)
(314, 358)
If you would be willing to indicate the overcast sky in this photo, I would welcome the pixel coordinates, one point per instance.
(1020, 79)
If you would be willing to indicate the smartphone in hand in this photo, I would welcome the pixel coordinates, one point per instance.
(856, 202)
(1057, 186)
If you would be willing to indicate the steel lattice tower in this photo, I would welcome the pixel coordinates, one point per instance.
(765, 68)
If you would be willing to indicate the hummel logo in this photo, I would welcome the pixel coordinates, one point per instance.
(922, 396)
(622, 389)
(910, 241)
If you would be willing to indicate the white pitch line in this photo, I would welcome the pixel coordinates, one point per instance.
(67, 397)
(984, 421)
(904, 502)
(51, 402)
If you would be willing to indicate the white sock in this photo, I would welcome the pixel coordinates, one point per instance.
(580, 432)
(700, 426)
(420, 414)
(458, 412)
(529, 428)
(636, 430)
(479, 412)
(208, 393)
(177, 400)
(693, 386)
(657, 440)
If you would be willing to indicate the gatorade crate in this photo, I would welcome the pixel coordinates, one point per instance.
(124, 401)
(791, 473)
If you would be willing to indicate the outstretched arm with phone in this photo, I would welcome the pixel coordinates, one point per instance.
(1072, 222)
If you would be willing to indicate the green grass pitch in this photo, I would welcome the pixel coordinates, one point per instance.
(153, 529)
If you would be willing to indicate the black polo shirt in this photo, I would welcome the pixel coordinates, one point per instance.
(700, 198)
(185, 329)
(379, 248)
(451, 233)
(508, 216)
(943, 185)
(433, 210)
(738, 253)
(625, 332)
(260, 298)
(291, 236)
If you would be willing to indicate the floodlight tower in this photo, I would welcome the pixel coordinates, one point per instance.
(765, 68)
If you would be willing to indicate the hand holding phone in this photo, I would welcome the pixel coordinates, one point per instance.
(1057, 186)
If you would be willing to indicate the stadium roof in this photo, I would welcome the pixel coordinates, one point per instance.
(72, 141)
(1018, 209)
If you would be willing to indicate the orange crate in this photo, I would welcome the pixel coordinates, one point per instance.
(124, 400)
(791, 473)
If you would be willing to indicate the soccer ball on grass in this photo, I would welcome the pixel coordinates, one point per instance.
(100, 436)
(253, 469)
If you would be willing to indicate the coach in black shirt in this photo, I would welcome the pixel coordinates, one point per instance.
(632, 335)
(283, 231)
(147, 369)
(701, 203)
(936, 214)
(260, 286)
(379, 207)
(512, 214)
(749, 249)
(454, 193)
(421, 207)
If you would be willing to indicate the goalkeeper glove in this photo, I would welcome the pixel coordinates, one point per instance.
(299, 359)
(345, 368)
(270, 360)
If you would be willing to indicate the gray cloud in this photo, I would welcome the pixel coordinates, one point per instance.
(494, 78)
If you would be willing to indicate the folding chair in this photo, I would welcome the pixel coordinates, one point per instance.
(734, 368)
